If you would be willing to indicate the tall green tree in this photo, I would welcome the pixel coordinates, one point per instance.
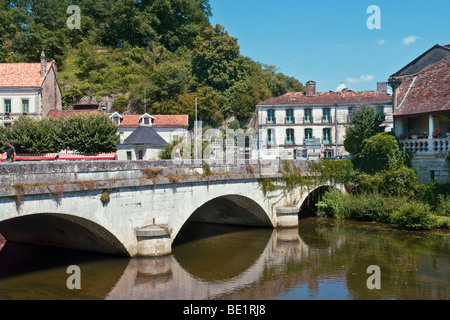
(366, 122)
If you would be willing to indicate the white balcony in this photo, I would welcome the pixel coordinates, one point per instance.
(427, 146)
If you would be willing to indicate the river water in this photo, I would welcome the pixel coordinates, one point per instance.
(322, 259)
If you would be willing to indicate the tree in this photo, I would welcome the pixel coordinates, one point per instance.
(120, 104)
(366, 122)
(217, 62)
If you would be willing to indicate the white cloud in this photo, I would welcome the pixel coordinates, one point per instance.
(410, 39)
(381, 42)
(341, 87)
(363, 78)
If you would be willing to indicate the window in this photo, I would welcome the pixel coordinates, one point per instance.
(129, 156)
(308, 133)
(25, 106)
(8, 106)
(290, 116)
(116, 119)
(270, 138)
(146, 120)
(326, 115)
(350, 113)
(381, 111)
(290, 136)
(328, 154)
(140, 154)
(270, 116)
(327, 136)
(307, 117)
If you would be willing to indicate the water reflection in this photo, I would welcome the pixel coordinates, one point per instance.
(322, 259)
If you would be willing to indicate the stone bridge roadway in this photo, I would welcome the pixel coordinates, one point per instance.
(134, 208)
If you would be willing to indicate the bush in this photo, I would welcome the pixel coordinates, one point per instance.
(413, 215)
(443, 208)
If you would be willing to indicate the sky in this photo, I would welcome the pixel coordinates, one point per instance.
(335, 43)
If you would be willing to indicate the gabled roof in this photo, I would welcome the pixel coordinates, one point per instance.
(428, 58)
(159, 120)
(349, 96)
(145, 135)
(426, 92)
(22, 74)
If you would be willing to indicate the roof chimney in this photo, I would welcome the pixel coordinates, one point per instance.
(382, 87)
(43, 64)
(310, 88)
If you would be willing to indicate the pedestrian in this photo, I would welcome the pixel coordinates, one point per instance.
(10, 152)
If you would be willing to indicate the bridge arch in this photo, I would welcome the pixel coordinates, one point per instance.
(232, 209)
(61, 230)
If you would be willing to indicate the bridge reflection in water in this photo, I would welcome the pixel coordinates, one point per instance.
(323, 259)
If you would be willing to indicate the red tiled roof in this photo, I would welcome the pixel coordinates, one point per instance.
(68, 113)
(21, 74)
(331, 97)
(430, 92)
(159, 120)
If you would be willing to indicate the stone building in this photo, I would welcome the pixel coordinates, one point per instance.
(422, 111)
(312, 124)
(28, 89)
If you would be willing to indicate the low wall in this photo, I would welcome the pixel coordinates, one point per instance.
(431, 167)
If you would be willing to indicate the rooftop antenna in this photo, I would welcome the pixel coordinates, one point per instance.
(145, 101)
(195, 128)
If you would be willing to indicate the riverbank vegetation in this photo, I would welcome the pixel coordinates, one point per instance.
(385, 187)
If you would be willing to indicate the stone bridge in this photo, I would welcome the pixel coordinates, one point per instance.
(135, 208)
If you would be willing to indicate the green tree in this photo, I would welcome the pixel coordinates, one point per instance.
(366, 122)
(217, 62)
(120, 104)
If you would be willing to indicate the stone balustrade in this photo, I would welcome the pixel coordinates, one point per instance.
(427, 146)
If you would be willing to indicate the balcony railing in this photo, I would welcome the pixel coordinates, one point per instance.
(290, 141)
(289, 120)
(308, 120)
(271, 120)
(326, 119)
(426, 146)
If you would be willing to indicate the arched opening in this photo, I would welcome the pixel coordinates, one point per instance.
(60, 230)
(222, 238)
(308, 207)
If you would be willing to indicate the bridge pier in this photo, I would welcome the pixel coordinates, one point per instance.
(287, 216)
(154, 240)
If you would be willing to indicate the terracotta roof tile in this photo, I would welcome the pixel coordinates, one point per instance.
(159, 120)
(430, 92)
(332, 97)
(21, 74)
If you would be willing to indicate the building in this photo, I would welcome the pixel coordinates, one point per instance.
(312, 124)
(169, 127)
(28, 89)
(144, 143)
(422, 111)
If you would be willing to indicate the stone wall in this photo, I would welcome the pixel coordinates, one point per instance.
(431, 167)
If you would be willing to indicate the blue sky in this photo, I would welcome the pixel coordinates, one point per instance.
(329, 41)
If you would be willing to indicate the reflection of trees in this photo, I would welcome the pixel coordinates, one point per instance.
(404, 257)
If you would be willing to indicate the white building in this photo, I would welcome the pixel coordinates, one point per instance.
(312, 124)
(28, 89)
(169, 127)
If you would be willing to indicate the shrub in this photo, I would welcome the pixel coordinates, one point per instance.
(413, 215)
(443, 208)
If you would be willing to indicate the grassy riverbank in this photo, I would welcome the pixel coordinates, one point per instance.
(427, 212)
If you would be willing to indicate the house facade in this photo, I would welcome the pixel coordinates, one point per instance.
(422, 112)
(169, 127)
(28, 89)
(312, 124)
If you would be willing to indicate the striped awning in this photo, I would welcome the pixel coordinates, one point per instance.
(88, 156)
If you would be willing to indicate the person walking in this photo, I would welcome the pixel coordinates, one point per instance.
(10, 152)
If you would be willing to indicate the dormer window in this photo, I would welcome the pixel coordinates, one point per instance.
(146, 119)
(116, 118)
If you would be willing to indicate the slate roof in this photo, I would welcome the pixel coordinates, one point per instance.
(22, 74)
(428, 94)
(159, 120)
(145, 135)
(332, 97)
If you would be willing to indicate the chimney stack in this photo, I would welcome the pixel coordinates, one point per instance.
(43, 64)
(382, 87)
(310, 88)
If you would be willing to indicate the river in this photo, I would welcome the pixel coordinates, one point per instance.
(321, 259)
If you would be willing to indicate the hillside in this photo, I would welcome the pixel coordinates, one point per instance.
(154, 54)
